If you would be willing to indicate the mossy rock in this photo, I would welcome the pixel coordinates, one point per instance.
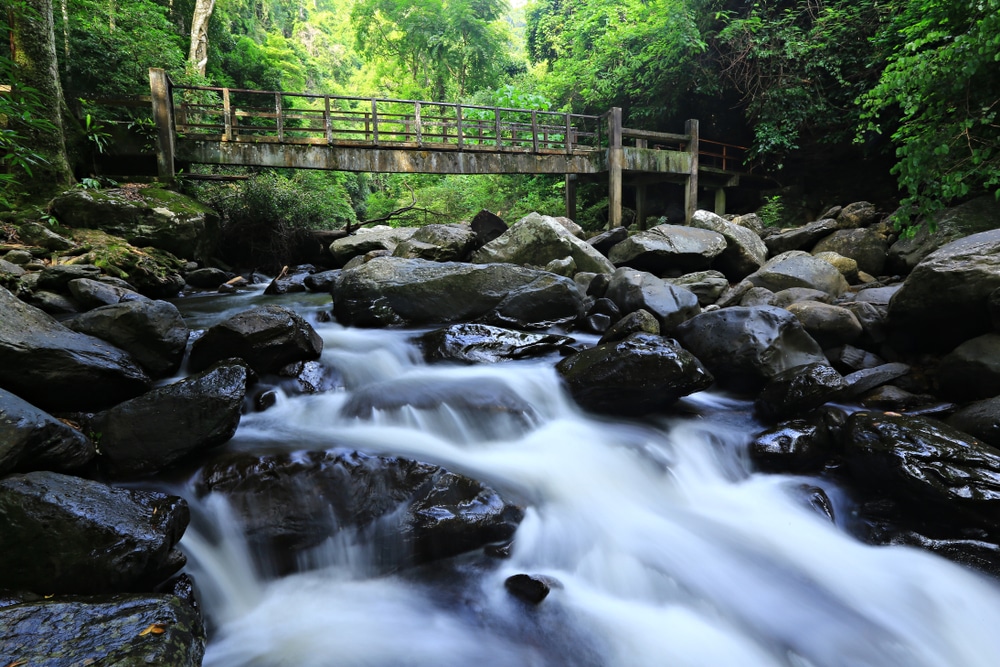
(153, 272)
(144, 215)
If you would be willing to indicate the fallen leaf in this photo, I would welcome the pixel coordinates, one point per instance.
(17, 663)
(154, 629)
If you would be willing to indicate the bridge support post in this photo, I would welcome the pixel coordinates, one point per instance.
(616, 159)
(571, 196)
(691, 194)
(720, 201)
(163, 114)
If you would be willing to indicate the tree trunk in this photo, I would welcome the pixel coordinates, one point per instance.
(33, 43)
(198, 56)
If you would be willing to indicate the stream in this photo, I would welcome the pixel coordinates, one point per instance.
(667, 547)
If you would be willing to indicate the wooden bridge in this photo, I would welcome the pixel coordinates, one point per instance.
(225, 126)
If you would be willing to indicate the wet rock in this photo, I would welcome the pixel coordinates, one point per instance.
(745, 347)
(880, 296)
(53, 303)
(55, 368)
(149, 433)
(409, 512)
(848, 359)
(847, 266)
(862, 381)
(801, 237)
(153, 272)
(639, 375)
(891, 398)
(669, 249)
(829, 325)
(633, 290)
(751, 221)
(598, 285)
(395, 291)
(56, 278)
(786, 297)
(799, 270)
(977, 215)
(94, 293)
(980, 420)
(207, 278)
(532, 588)
(535, 240)
(972, 370)
(744, 252)
(872, 318)
(487, 226)
(439, 243)
(116, 631)
(152, 332)
(926, 464)
(864, 245)
(816, 499)
(944, 300)
(858, 214)
(798, 390)
(606, 240)
(267, 338)
(322, 281)
(639, 321)
(758, 296)
(797, 445)
(75, 536)
(708, 286)
(308, 377)
(367, 239)
(480, 343)
(31, 439)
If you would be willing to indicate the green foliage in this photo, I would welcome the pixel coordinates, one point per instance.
(96, 135)
(19, 114)
(772, 213)
(939, 98)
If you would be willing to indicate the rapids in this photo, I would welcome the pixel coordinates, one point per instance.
(670, 549)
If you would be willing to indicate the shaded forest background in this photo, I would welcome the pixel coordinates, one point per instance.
(894, 100)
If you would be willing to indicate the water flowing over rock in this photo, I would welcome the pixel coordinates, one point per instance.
(744, 253)
(112, 631)
(153, 332)
(267, 338)
(31, 439)
(56, 368)
(288, 504)
(536, 240)
(747, 346)
(148, 433)
(639, 375)
(944, 300)
(669, 249)
(632, 290)
(392, 291)
(480, 343)
(73, 536)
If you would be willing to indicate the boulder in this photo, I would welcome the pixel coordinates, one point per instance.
(153, 332)
(847, 266)
(52, 303)
(866, 246)
(631, 290)
(367, 239)
(321, 281)
(978, 215)
(95, 293)
(144, 216)
(799, 390)
(751, 221)
(829, 325)
(111, 631)
(786, 297)
(639, 321)
(858, 214)
(891, 398)
(744, 252)
(532, 588)
(56, 278)
(149, 433)
(801, 237)
(36, 234)
(796, 269)
(439, 243)
(480, 343)
(872, 318)
(412, 512)
(606, 240)
(535, 240)
(847, 358)
(639, 375)
(748, 346)
(708, 286)
(75, 536)
(487, 226)
(394, 291)
(207, 278)
(669, 249)
(866, 379)
(980, 420)
(799, 445)
(31, 439)
(944, 300)
(758, 296)
(972, 370)
(880, 296)
(153, 272)
(56, 368)
(926, 465)
(267, 338)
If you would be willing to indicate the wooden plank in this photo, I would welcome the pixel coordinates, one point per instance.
(277, 111)
(227, 115)
(374, 123)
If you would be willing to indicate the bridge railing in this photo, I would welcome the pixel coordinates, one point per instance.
(238, 115)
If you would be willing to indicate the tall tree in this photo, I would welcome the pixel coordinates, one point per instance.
(36, 73)
(198, 55)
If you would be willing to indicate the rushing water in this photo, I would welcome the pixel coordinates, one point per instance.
(670, 549)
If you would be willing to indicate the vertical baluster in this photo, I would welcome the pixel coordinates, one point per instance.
(534, 131)
(496, 118)
(279, 116)
(327, 121)
(416, 124)
(569, 134)
(458, 125)
(374, 123)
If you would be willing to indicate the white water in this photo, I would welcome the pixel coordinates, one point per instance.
(670, 550)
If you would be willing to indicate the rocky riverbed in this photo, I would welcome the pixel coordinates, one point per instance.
(871, 359)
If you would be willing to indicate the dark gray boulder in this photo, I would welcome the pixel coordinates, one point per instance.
(980, 420)
(439, 243)
(267, 338)
(532, 588)
(91, 293)
(631, 290)
(207, 278)
(606, 240)
(866, 379)
(639, 321)
(972, 370)
(748, 346)
(321, 281)
(369, 239)
(866, 246)
(56, 368)
(67, 535)
(669, 250)
(110, 631)
(857, 214)
(974, 216)
(56, 278)
(799, 390)
(944, 301)
(708, 286)
(829, 325)
(487, 226)
(394, 291)
(480, 343)
(149, 433)
(287, 504)
(801, 237)
(799, 269)
(152, 332)
(31, 439)
(744, 252)
(799, 445)
(639, 375)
